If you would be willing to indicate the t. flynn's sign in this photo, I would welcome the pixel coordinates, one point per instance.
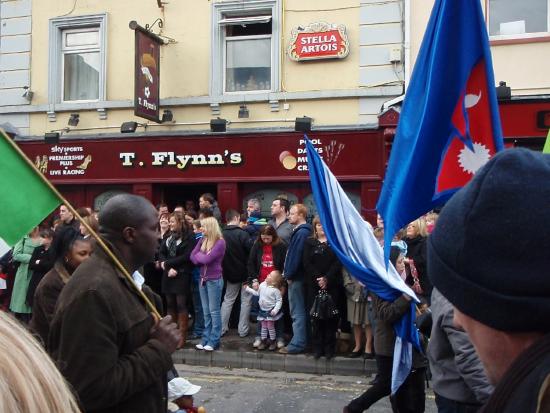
(319, 41)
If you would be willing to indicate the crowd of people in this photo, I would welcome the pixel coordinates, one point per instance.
(294, 296)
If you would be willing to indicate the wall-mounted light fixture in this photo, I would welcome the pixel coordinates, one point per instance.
(52, 138)
(130, 127)
(28, 93)
(303, 124)
(74, 119)
(503, 92)
(167, 116)
(243, 111)
(218, 125)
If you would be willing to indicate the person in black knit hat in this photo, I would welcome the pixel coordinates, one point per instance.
(488, 255)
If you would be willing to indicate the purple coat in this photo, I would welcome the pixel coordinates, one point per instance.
(210, 264)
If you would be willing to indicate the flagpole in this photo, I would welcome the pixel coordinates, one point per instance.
(99, 240)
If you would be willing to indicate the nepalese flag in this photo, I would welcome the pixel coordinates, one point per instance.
(352, 240)
(449, 125)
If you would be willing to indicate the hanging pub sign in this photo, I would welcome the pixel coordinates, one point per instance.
(146, 73)
(319, 41)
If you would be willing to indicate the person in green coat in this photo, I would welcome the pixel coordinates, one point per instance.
(22, 254)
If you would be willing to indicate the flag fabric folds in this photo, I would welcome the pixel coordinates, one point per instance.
(449, 124)
(353, 241)
(27, 199)
(546, 148)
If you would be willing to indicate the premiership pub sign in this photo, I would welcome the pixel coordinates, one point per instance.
(319, 41)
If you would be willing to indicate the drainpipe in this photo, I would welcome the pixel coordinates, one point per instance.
(407, 42)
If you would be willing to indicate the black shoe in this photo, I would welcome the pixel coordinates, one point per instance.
(355, 354)
(368, 356)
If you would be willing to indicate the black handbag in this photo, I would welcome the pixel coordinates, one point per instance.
(323, 307)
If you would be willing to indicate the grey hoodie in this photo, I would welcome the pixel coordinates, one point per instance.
(457, 372)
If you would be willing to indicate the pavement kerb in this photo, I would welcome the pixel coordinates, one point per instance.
(272, 361)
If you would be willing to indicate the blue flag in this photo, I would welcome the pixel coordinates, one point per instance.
(352, 240)
(449, 124)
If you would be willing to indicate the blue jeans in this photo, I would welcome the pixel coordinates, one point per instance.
(211, 295)
(198, 324)
(298, 313)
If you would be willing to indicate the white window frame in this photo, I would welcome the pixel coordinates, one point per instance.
(61, 25)
(518, 36)
(256, 9)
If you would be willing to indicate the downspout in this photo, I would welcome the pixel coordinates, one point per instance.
(407, 42)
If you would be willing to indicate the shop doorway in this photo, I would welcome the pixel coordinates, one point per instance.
(177, 194)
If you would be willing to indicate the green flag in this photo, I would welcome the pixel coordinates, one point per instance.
(27, 199)
(546, 148)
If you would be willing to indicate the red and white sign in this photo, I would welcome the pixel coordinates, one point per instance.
(319, 41)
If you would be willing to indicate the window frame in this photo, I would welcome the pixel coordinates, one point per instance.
(59, 26)
(524, 36)
(65, 50)
(219, 47)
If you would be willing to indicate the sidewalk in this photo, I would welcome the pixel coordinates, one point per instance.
(236, 352)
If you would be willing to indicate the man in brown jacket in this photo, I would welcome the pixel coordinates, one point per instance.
(103, 338)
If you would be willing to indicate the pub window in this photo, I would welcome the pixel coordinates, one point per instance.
(513, 19)
(77, 67)
(246, 47)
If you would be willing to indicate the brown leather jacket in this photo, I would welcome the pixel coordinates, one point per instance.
(100, 339)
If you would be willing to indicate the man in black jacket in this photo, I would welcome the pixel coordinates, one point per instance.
(237, 248)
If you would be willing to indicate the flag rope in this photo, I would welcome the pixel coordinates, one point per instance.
(99, 240)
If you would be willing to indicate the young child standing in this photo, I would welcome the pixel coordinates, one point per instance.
(270, 302)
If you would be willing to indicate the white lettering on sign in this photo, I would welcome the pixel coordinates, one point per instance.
(318, 39)
(183, 161)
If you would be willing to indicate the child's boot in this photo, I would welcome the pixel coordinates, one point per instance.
(272, 345)
(263, 345)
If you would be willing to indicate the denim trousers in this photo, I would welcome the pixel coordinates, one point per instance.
(296, 300)
(198, 323)
(231, 294)
(211, 295)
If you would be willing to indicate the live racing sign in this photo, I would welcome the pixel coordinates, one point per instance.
(147, 76)
(319, 41)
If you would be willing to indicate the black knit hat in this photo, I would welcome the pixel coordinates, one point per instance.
(489, 254)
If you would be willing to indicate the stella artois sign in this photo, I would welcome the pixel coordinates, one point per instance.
(319, 41)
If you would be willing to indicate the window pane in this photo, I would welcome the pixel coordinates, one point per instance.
(248, 29)
(248, 65)
(81, 76)
(82, 39)
(509, 17)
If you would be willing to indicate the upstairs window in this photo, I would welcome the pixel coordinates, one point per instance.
(518, 19)
(247, 54)
(245, 47)
(77, 59)
(81, 61)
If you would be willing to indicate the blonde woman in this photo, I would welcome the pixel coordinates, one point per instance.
(415, 238)
(208, 256)
(29, 381)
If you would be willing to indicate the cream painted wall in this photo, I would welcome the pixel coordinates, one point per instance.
(328, 73)
(522, 66)
(185, 65)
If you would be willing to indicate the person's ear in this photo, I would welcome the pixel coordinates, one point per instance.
(129, 235)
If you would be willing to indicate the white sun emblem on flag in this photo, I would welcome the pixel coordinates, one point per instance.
(472, 161)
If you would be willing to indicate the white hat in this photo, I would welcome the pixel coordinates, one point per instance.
(180, 387)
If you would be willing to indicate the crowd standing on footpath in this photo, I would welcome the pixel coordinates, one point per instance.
(279, 281)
